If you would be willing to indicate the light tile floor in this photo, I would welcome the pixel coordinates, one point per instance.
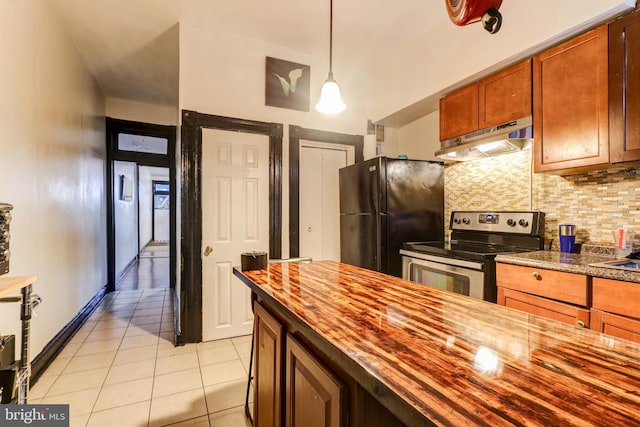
(122, 369)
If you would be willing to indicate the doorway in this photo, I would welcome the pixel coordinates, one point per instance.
(195, 129)
(297, 137)
(235, 200)
(136, 152)
(319, 198)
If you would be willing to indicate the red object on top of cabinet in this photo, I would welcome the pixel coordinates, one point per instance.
(463, 12)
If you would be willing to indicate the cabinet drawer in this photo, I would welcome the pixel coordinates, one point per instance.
(555, 310)
(616, 297)
(616, 326)
(557, 285)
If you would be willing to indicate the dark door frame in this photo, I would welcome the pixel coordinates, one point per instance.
(296, 133)
(118, 126)
(191, 207)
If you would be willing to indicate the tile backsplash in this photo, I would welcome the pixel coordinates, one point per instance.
(597, 202)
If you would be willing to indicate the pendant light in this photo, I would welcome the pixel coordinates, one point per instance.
(330, 98)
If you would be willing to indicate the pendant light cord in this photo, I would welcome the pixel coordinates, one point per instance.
(331, 37)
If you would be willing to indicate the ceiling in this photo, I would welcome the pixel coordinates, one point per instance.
(132, 46)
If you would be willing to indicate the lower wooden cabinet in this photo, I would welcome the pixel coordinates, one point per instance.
(604, 305)
(616, 308)
(544, 307)
(269, 361)
(615, 325)
(314, 396)
(552, 294)
(305, 394)
(556, 285)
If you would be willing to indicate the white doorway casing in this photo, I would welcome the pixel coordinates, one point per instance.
(319, 198)
(235, 219)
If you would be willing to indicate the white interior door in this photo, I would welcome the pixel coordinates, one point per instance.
(319, 199)
(235, 219)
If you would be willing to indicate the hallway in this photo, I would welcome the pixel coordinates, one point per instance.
(121, 368)
(150, 271)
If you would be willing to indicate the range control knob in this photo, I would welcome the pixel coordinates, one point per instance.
(4, 254)
(4, 235)
(511, 222)
(523, 223)
(456, 220)
(466, 221)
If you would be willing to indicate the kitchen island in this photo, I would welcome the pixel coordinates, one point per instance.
(429, 357)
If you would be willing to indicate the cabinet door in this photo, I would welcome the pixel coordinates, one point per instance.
(555, 310)
(570, 103)
(624, 86)
(269, 341)
(459, 112)
(505, 96)
(566, 287)
(314, 397)
(616, 297)
(616, 326)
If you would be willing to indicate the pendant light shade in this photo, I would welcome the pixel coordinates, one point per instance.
(330, 97)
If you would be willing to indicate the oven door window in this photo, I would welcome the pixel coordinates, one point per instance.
(462, 280)
(445, 280)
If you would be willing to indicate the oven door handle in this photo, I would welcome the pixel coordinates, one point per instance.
(442, 260)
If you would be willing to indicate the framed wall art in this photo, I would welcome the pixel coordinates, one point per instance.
(287, 84)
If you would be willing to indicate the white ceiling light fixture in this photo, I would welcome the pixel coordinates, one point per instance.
(330, 98)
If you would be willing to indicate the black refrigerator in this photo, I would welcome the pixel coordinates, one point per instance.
(385, 202)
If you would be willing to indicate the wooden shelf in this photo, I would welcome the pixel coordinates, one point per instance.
(10, 285)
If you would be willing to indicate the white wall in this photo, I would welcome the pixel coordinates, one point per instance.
(450, 56)
(52, 162)
(142, 112)
(420, 139)
(224, 74)
(125, 214)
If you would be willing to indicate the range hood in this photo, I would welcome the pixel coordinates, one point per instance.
(505, 138)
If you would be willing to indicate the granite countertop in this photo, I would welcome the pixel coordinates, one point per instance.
(451, 359)
(570, 263)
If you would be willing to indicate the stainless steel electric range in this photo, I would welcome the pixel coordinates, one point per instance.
(466, 263)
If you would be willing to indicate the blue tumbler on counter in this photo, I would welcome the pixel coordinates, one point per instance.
(567, 237)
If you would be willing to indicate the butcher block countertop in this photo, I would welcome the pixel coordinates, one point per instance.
(435, 357)
(10, 285)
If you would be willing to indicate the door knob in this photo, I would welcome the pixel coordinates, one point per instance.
(309, 229)
(208, 250)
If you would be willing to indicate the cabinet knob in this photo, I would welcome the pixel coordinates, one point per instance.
(536, 275)
(581, 324)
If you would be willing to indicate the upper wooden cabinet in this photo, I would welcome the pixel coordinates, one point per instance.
(497, 99)
(624, 87)
(459, 112)
(571, 104)
(505, 96)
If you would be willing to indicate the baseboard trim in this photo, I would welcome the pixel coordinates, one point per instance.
(127, 268)
(55, 346)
